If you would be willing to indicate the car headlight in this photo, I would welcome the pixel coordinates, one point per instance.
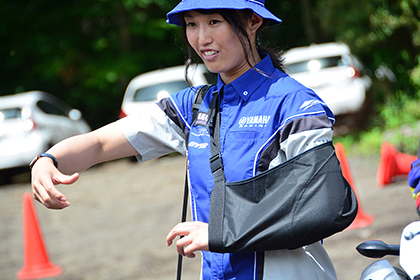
(28, 125)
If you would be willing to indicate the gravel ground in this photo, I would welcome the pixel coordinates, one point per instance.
(121, 213)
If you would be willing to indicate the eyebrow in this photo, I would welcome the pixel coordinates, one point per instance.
(187, 15)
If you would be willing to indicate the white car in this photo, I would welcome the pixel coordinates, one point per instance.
(332, 72)
(150, 87)
(30, 123)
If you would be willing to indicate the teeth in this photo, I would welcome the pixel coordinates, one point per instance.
(209, 52)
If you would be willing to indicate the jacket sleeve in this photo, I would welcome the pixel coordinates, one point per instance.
(152, 133)
(161, 128)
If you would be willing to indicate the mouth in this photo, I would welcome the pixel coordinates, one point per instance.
(209, 53)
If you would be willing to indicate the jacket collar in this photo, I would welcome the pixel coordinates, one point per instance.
(251, 80)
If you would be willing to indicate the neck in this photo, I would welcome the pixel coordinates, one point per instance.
(230, 76)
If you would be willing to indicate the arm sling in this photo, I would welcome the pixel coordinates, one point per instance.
(294, 204)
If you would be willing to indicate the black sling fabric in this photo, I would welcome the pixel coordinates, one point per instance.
(297, 203)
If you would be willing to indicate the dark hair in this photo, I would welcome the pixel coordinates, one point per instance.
(237, 19)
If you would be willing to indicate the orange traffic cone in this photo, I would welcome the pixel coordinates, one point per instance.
(362, 219)
(392, 163)
(36, 264)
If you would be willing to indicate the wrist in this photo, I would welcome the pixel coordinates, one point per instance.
(41, 155)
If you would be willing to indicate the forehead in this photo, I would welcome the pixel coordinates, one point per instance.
(198, 13)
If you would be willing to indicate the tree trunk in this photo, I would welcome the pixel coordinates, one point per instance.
(307, 22)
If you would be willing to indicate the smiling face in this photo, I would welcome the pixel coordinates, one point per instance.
(216, 43)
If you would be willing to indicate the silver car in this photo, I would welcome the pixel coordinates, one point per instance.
(150, 87)
(30, 123)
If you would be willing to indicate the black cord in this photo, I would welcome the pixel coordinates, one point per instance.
(183, 219)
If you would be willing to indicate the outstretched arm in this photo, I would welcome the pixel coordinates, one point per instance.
(74, 155)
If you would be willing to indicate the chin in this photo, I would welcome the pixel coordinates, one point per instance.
(213, 68)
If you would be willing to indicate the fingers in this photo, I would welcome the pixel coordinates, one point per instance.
(186, 247)
(45, 192)
(194, 237)
(180, 229)
(50, 202)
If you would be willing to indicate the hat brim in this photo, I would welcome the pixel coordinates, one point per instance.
(183, 6)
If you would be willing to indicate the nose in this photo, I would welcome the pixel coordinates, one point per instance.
(204, 36)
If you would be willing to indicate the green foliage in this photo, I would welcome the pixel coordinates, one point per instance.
(400, 115)
(87, 51)
(397, 123)
(400, 109)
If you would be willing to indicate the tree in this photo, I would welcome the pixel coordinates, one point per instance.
(85, 52)
(380, 32)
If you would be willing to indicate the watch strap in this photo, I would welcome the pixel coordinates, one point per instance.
(43, 155)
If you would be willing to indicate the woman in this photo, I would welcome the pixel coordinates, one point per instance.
(266, 119)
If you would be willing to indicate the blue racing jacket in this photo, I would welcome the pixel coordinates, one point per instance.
(266, 118)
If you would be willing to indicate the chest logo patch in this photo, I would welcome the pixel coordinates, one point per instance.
(254, 121)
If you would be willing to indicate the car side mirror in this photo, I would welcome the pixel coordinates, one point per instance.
(75, 115)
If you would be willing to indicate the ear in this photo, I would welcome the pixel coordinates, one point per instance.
(255, 23)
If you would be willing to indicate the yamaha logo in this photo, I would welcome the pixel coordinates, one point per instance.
(242, 122)
(254, 121)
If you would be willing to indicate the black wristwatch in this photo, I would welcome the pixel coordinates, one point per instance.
(43, 155)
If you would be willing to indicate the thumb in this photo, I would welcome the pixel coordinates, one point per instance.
(67, 179)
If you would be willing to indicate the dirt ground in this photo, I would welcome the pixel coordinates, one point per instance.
(121, 213)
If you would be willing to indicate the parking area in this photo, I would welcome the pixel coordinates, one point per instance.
(121, 213)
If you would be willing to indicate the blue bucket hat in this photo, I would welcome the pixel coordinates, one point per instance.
(257, 6)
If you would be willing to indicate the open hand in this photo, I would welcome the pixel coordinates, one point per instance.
(44, 178)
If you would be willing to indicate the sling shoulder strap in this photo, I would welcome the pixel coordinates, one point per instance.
(198, 99)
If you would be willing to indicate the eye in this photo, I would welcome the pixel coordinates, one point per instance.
(214, 21)
(190, 24)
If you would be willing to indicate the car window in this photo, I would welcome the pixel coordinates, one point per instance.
(12, 113)
(49, 108)
(314, 65)
(159, 91)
